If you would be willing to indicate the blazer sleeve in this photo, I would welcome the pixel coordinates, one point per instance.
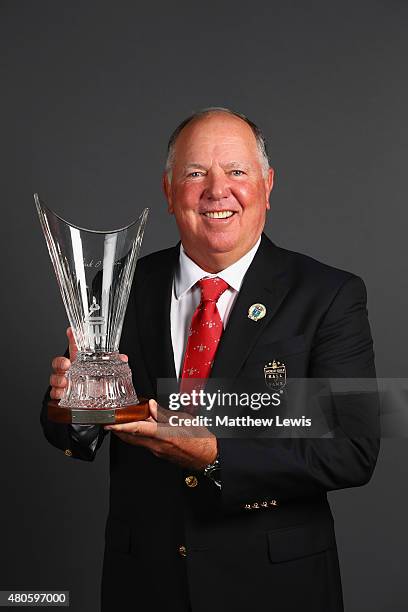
(286, 469)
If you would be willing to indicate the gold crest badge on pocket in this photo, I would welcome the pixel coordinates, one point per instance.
(275, 375)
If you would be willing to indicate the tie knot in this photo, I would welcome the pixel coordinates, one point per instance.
(212, 288)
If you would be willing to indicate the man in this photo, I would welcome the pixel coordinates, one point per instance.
(214, 523)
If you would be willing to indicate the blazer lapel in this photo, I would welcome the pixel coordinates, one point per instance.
(266, 283)
(155, 331)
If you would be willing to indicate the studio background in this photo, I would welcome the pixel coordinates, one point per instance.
(90, 94)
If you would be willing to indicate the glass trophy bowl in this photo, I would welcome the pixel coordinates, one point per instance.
(94, 270)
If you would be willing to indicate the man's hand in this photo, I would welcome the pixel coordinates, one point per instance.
(60, 366)
(193, 447)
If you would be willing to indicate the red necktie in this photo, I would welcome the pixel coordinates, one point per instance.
(204, 334)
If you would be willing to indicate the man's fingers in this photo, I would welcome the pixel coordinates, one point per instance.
(149, 443)
(60, 365)
(153, 408)
(136, 428)
(73, 349)
(123, 357)
(56, 380)
(56, 393)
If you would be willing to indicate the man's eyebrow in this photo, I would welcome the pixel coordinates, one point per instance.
(227, 166)
(193, 165)
(236, 164)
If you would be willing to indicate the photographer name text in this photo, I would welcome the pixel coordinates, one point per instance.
(242, 421)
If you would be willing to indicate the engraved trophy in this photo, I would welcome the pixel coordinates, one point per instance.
(94, 271)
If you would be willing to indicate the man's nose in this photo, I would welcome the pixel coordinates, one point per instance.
(217, 186)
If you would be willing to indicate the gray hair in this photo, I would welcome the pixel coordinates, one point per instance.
(259, 137)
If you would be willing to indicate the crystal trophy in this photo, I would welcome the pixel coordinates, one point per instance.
(94, 270)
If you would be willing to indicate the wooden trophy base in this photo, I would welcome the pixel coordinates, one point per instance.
(87, 416)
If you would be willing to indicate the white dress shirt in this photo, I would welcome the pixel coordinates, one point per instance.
(186, 296)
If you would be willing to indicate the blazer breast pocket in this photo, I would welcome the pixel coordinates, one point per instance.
(288, 354)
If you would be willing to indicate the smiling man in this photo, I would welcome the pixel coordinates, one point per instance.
(217, 185)
(206, 523)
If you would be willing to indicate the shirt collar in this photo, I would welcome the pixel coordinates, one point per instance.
(188, 272)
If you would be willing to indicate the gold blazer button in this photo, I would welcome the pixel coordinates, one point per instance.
(191, 481)
(182, 551)
(68, 452)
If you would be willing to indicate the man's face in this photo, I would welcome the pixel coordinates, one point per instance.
(218, 193)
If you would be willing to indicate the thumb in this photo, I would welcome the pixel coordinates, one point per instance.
(153, 408)
(73, 349)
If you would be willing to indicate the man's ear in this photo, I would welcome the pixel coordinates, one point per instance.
(167, 192)
(269, 186)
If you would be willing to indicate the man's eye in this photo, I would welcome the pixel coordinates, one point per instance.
(237, 172)
(195, 174)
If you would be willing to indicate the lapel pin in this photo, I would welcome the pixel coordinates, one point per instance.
(256, 312)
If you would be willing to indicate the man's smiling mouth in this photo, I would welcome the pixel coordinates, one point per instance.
(219, 214)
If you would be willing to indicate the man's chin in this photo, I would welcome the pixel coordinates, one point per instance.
(222, 244)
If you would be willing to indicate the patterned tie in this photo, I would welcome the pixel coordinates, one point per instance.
(204, 334)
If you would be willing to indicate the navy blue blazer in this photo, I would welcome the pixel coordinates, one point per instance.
(266, 539)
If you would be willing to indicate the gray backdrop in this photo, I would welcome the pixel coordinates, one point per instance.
(89, 94)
